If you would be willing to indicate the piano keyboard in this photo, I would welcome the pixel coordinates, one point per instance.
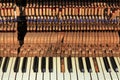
(49, 68)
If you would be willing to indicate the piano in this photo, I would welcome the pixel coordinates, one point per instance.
(59, 39)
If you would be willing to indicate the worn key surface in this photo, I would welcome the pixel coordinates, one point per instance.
(95, 65)
(62, 64)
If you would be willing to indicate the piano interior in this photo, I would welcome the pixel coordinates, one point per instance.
(59, 39)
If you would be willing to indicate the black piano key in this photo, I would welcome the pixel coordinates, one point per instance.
(114, 65)
(81, 64)
(69, 63)
(5, 65)
(1, 58)
(35, 64)
(50, 64)
(107, 66)
(88, 64)
(24, 64)
(43, 64)
(16, 65)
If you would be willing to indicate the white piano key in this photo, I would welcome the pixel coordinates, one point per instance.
(46, 73)
(113, 74)
(93, 73)
(73, 74)
(32, 73)
(79, 73)
(100, 73)
(107, 75)
(39, 74)
(118, 60)
(59, 73)
(118, 73)
(19, 74)
(53, 74)
(92, 64)
(66, 73)
(6, 74)
(26, 74)
(1, 73)
(86, 73)
(12, 73)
